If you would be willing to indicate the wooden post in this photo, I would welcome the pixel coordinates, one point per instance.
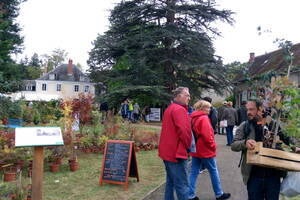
(38, 173)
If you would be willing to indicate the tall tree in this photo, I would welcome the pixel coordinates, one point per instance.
(153, 46)
(57, 57)
(10, 43)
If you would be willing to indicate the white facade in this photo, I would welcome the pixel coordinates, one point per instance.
(50, 89)
(64, 82)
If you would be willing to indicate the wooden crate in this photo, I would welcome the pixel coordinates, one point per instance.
(273, 158)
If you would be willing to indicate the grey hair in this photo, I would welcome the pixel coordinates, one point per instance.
(179, 90)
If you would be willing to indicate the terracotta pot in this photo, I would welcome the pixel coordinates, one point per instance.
(54, 167)
(10, 176)
(74, 166)
(58, 160)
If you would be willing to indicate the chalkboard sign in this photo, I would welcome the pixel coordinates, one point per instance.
(119, 163)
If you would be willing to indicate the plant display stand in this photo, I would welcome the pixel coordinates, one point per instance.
(273, 158)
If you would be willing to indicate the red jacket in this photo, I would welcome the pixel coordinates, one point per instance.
(206, 145)
(176, 133)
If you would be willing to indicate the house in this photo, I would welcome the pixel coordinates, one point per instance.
(65, 81)
(262, 65)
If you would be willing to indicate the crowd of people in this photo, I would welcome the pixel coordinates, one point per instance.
(132, 112)
(191, 133)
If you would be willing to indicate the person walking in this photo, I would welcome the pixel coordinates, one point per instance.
(230, 116)
(263, 183)
(175, 140)
(242, 113)
(124, 109)
(220, 117)
(136, 112)
(205, 155)
(213, 114)
(130, 111)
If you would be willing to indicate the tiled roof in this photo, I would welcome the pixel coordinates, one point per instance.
(271, 61)
(61, 74)
(274, 61)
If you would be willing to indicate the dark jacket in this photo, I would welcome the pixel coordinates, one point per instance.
(221, 112)
(239, 144)
(206, 145)
(176, 133)
(242, 114)
(230, 115)
(213, 116)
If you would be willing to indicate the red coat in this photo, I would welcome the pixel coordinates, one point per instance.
(206, 145)
(176, 134)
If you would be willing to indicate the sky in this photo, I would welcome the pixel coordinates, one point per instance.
(72, 25)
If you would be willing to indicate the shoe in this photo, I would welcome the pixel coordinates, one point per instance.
(224, 196)
(195, 198)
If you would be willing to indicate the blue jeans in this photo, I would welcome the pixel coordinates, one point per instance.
(229, 134)
(263, 188)
(211, 165)
(176, 179)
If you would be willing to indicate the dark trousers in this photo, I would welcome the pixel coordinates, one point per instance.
(229, 134)
(266, 188)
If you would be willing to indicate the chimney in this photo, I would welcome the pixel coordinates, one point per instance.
(70, 67)
(252, 57)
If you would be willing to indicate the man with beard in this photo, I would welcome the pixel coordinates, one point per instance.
(262, 182)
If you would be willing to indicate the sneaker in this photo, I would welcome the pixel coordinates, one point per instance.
(195, 198)
(224, 196)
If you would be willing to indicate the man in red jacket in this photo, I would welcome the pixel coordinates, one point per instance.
(175, 140)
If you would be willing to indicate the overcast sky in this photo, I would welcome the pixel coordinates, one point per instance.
(73, 24)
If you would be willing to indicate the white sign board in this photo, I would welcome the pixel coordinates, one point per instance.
(38, 136)
(155, 114)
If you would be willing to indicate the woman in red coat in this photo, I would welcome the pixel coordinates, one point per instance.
(205, 151)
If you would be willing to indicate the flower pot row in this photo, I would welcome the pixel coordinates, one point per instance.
(73, 164)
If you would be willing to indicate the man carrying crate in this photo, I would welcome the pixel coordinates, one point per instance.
(263, 183)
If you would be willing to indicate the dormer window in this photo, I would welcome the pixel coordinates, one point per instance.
(81, 78)
(51, 76)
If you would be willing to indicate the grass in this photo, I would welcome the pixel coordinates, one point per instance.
(84, 183)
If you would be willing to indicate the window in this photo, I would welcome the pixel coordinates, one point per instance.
(86, 88)
(44, 86)
(51, 76)
(76, 88)
(58, 87)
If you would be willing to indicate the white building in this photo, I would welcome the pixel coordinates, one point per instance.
(65, 81)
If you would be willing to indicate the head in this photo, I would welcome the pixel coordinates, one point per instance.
(229, 103)
(243, 103)
(207, 99)
(254, 110)
(203, 106)
(182, 95)
(224, 103)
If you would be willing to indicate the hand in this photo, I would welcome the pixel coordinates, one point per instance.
(250, 144)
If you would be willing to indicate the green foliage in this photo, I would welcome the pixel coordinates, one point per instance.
(291, 108)
(10, 43)
(9, 109)
(152, 47)
(36, 117)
